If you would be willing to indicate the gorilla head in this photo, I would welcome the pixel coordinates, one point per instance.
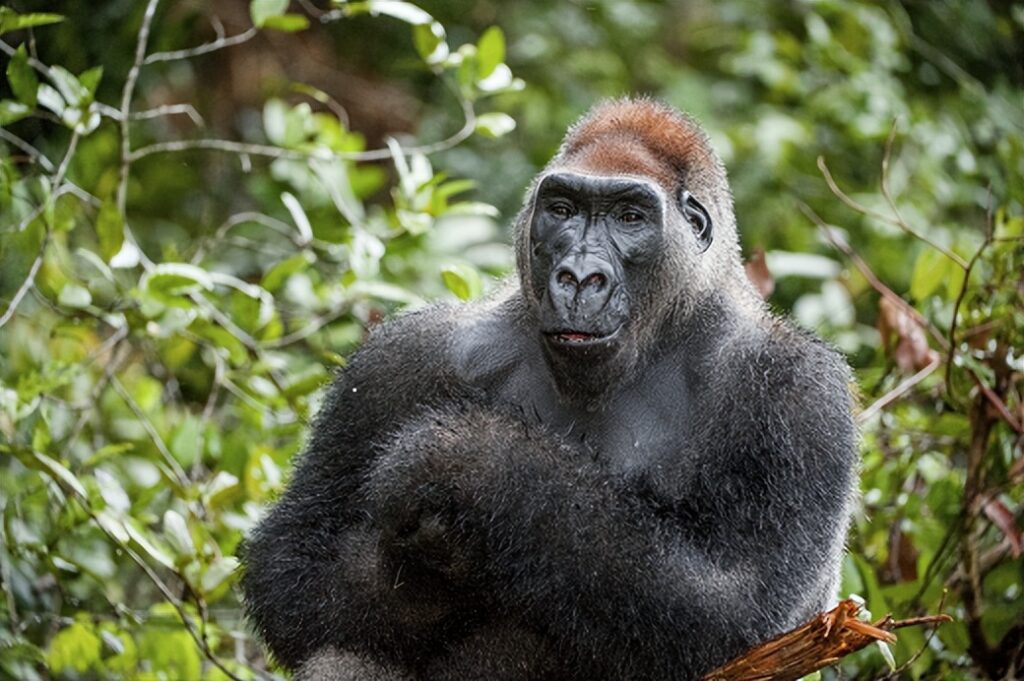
(629, 227)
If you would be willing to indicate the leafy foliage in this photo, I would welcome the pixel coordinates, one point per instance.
(185, 258)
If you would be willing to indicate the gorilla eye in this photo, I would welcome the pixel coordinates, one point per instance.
(631, 216)
(561, 211)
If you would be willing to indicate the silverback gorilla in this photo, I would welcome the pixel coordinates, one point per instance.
(622, 468)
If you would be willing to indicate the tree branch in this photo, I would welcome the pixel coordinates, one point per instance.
(220, 43)
(818, 644)
(895, 221)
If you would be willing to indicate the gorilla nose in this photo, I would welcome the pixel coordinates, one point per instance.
(569, 278)
(580, 286)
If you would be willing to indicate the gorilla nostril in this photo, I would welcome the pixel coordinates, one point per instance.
(566, 277)
(596, 279)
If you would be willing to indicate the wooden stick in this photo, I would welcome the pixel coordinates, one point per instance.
(822, 642)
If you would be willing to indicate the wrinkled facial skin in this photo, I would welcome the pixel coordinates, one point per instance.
(592, 241)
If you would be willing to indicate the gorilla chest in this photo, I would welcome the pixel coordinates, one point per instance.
(639, 429)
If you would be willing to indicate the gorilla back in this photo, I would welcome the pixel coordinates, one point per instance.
(622, 468)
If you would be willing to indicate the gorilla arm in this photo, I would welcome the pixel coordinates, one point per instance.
(626, 583)
(312, 577)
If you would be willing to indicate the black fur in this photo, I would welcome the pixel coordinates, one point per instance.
(457, 515)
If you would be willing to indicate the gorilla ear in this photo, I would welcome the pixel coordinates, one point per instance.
(698, 217)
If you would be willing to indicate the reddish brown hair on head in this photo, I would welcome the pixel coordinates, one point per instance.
(639, 137)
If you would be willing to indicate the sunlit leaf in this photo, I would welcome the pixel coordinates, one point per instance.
(405, 11)
(286, 23)
(75, 648)
(12, 21)
(110, 229)
(176, 279)
(490, 51)
(930, 270)
(430, 42)
(495, 125)
(178, 536)
(462, 280)
(74, 93)
(73, 295)
(262, 10)
(11, 111)
(219, 571)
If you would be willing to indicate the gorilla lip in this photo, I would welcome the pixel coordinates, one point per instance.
(580, 338)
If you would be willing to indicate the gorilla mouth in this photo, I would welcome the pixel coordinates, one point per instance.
(572, 337)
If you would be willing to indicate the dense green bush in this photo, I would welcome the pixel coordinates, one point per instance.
(197, 226)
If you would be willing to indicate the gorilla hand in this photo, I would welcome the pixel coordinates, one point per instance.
(423, 495)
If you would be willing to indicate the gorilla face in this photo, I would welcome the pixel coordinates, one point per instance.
(592, 243)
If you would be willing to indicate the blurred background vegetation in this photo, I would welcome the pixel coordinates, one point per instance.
(204, 205)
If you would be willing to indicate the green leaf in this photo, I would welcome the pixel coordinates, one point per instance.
(495, 124)
(262, 10)
(490, 51)
(142, 539)
(298, 216)
(75, 296)
(60, 472)
(172, 279)
(24, 82)
(90, 79)
(287, 23)
(110, 229)
(955, 281)
(12, 21)
(405, 11)
(11, 111)
(431, 42)
(462, 280)
(274, 120)
(930, 270)
(177, 535)
(76, 648)
(279, 273)
(49, 98)
(167, 647)
(185, 441)
(219, 572)
(73, 92)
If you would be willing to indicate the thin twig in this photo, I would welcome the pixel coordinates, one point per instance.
(126, 104)
(309, 328)
(989, 233)
(57, 181)
(840, 244)
(220, 43)
(268, 151)
(170, 110)
(895, 221)
(33, 153)
(28, 283)
(899, 391)
(240, 219)
(116, 359)
(211, 403)
(158, 441)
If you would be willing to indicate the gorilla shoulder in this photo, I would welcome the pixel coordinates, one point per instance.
(786, 386)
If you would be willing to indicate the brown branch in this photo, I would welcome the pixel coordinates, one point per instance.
(820, 643)
(895, 221)
(941, 340)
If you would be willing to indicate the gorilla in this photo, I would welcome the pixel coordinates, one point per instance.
(622, 466)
